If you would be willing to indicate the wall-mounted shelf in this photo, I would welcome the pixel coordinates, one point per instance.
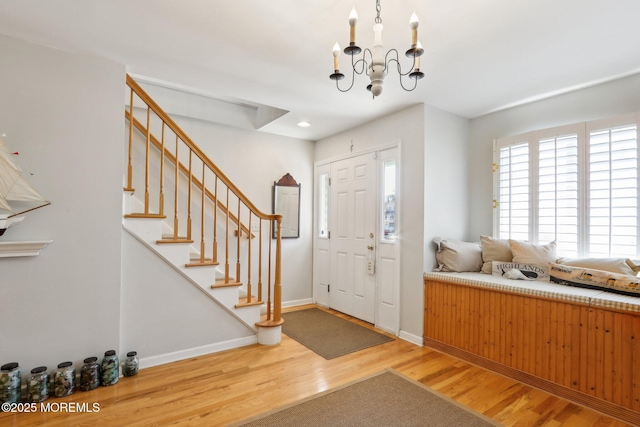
(26, 248)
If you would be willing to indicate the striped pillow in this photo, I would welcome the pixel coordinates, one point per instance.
(594, 279)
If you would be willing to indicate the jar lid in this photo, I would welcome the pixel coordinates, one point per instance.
(90, 359)
(132, 353)
(110, 353)
(9, 366)
(65, 364)
(39, 370)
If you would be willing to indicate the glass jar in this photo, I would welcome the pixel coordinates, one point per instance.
(90, 374)
(130, 364)
(110, 368)
(10, 383)
(64, 380)
(38, 385)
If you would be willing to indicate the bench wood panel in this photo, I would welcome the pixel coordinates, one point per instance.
(589, 355)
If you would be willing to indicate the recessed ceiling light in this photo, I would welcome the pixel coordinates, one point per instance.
(304, 124)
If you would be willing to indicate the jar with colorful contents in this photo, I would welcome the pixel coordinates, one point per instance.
(110, 368)
(90, 374)
(130, 365)
(10, 383)
(64, 380)
(38, 385)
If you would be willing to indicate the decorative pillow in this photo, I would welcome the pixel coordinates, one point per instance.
(529, 253)
(613, 265)
(513, 270)
(458, 256)
(494, 249)
(594, 279)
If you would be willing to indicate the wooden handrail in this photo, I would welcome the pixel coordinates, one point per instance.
(185, 170)
(196, 150)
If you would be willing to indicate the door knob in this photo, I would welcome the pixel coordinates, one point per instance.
(370, 247)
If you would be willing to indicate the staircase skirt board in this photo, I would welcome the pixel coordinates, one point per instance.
(227, 297)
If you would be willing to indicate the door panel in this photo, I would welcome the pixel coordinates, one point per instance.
(353, 217)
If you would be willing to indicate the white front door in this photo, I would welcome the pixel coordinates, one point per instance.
(357, 241)
(353, 215)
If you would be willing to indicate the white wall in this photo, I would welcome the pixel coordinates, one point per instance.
(63, 113)
(253, 161)
(602, 101)
(446, 178)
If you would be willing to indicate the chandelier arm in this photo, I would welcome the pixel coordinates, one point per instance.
(401, 75)
(415, 83)
(365, 68)
(397, 61)
(353, 79)
(363, 61)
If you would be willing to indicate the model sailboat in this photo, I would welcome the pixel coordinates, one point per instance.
(17, 196)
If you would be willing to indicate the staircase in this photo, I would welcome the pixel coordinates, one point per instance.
(182, 207)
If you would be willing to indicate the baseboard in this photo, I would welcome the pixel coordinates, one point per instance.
(162, 359)
(414, 339)
(298, 302)
(287, 304)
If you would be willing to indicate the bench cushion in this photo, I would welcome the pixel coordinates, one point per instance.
(543, 289)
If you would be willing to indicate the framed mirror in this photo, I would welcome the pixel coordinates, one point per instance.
(286, 202)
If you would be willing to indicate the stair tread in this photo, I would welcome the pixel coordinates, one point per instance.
(196, 262)
(170, 239)
(254, 301)
(145, 215)
(221, 284)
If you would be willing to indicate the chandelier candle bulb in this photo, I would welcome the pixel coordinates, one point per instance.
(336, 57)
(413, 24)
(353, 20)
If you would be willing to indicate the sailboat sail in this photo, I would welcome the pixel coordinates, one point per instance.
(17, 196)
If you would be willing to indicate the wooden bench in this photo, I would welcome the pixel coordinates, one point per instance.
(580, 344)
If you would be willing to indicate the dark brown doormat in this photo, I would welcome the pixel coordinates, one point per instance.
(385, 399)
(329, 335)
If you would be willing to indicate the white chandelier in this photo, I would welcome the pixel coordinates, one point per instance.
(372, 62)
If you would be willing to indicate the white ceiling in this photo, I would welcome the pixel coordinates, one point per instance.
(480, 55)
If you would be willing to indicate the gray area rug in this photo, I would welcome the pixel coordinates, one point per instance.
(386, 399)
(329, 335)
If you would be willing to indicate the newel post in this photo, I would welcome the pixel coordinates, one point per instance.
(277, 286)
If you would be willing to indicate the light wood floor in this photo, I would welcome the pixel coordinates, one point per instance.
(229, 386)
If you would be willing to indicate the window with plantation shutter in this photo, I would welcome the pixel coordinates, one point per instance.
(558, 192)
(513, 198)
(613, 191)
(576, 185)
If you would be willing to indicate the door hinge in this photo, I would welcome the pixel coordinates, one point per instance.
(329, 234)
(328, 288)
(329, 180)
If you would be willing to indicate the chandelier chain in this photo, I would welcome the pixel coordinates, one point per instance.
(378, 9)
